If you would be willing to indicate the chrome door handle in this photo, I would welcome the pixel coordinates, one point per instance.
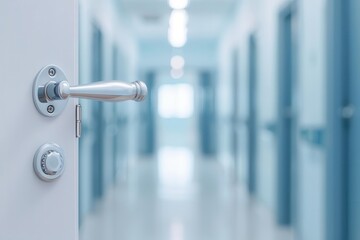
(51, 91)
(112, 91)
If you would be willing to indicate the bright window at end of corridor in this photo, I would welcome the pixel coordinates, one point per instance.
(176, 101)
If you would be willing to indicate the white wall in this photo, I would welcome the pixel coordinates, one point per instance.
(312, 114)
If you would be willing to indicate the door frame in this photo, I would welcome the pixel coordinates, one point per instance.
(286, 130)
(235, 112)
(337, 141)
(98, 116)
(252, 118)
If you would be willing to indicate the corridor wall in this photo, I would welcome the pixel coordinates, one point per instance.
(261, 19)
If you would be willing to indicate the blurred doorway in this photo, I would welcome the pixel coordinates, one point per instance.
(120, 120)
(252, 119)
(236, 108)
(286, 116)
(207, 114)
(98, 124)
(147, 133)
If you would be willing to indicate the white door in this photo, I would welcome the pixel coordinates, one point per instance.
(35, 34)
(39, 148)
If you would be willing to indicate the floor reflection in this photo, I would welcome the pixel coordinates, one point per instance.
(176, 170)
(180, 197)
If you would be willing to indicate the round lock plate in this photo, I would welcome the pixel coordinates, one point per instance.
(49, 162)
(50, 73)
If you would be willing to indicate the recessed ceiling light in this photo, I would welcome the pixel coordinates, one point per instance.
(178, 4)
(177, 37)
(177, 62)
(178, 18)
(176, 73)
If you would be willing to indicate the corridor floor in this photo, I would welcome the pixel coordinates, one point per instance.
(184, 200)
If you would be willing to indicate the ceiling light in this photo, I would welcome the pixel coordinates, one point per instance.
(176, 73)
(177, 37)
(177, 62)
(178, 4)
(178, 18)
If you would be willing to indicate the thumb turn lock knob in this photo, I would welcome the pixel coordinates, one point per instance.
(49, 162)
(52, 162)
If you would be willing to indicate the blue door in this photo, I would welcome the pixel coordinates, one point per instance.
(354, 121)
(343, 167)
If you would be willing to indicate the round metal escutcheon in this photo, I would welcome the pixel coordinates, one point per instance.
(49, 162)
(44, 106)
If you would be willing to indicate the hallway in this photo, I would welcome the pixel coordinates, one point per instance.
(180, 120)
(203, 205)
(265, 91)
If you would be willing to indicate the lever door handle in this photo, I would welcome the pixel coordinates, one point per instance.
(51, 91)
(111, 91)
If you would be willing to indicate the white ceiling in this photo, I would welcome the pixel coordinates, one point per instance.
(149, 19)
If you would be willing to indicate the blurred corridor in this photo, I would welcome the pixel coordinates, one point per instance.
(249, 130)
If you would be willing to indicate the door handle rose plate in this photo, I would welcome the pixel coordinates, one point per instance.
(49, 74)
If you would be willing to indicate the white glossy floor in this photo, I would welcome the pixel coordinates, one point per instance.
(180, 199)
